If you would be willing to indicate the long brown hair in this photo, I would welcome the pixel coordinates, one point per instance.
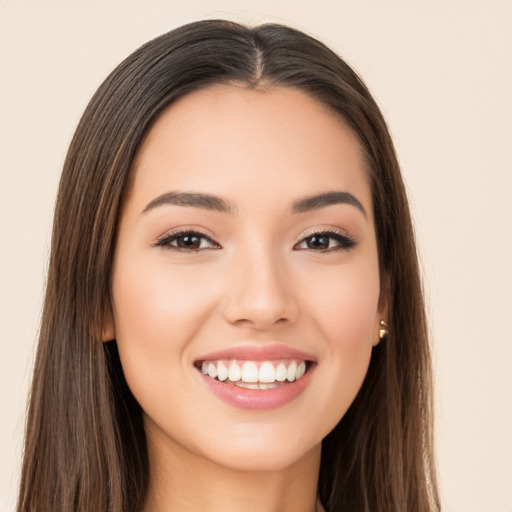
(85, 446)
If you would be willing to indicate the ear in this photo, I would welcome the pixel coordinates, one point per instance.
(108, 331)
(382, 309)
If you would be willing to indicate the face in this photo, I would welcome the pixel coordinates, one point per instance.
(246, 279)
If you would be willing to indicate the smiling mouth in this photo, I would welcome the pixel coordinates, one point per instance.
(255, 374)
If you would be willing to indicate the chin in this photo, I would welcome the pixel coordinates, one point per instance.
(249, 447)
(263, 460)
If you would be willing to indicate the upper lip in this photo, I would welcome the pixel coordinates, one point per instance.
(258, 353)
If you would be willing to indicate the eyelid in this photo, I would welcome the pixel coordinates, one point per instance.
(329, 230)
(345, 241)
(165, 239)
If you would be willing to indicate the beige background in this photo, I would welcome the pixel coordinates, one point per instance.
(441, 71)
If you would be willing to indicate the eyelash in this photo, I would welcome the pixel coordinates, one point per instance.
(345, 242)
(166, 240)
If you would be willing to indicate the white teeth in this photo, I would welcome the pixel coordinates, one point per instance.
(281, 372)
(301, 370)
(270, 385)
(291, 373)
(234, 372)
(222, 372)
(252, 385)
(212, 371)
(249, 372)
(247, 385)
(249, 375)
(267, 373)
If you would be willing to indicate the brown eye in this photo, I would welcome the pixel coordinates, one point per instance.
(327, 241)
(318, 242)
(187, 241)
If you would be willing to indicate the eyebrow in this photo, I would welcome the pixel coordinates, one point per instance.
(215, 203)
(192, 200)
(310, 203)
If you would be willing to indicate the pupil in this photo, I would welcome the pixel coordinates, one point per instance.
(188, 240)
(320, 241)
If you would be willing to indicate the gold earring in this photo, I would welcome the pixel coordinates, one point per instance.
(383, 331)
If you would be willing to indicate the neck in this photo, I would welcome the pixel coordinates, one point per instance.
(181, 481)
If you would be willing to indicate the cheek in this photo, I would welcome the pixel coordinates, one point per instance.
(162, 304)
(157, 312)
(346, 306)
(346, 317)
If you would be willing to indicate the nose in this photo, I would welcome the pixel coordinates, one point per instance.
(260, 292)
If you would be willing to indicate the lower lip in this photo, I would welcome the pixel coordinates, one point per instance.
(258, 399)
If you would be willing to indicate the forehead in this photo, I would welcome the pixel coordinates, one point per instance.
(232, 139)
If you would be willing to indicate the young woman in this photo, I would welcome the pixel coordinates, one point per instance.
(233, 317)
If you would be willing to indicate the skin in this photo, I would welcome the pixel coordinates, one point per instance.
(262, 283)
